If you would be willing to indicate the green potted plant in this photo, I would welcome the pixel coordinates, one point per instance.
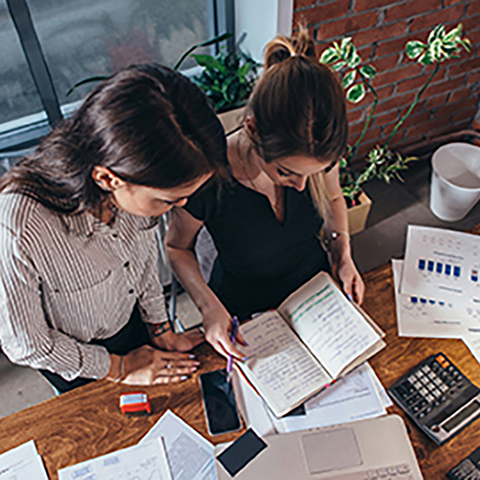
(357, 77)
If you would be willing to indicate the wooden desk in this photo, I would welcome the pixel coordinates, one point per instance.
(86, 423)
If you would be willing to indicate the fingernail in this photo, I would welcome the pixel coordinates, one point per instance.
(183, 378)
(191, 356)
(349, 297)
(246, 343)
(193, 369)
(196, 363)
(244, 359)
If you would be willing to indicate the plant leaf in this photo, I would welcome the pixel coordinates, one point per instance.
(356, 93)
(368, 71)
(414, 49)
(329, 56)
(209, 62)
(338, 66)
(348, 79)
(98, 78)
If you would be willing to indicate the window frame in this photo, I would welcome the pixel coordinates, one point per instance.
(28, 130)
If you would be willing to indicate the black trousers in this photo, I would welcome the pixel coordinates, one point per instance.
(133, 335)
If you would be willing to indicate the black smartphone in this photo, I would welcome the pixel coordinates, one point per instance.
(219, 402)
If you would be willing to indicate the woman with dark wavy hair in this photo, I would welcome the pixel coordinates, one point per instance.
(285, 188)
(79, 287)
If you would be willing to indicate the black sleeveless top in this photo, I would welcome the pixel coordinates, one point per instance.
(260, 260)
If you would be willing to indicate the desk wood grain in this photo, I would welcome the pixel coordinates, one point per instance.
(87, 423)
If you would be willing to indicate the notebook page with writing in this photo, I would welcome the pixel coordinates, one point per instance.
(334, 331)
(279, 366)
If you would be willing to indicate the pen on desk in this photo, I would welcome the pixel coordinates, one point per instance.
(235, 324)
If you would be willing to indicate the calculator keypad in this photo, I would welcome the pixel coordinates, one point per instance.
(430, 386)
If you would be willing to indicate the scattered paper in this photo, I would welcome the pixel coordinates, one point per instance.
(146, 461)
(442, 264)
(352, 397)
(419, 316)
(189, 455)
(22, 463)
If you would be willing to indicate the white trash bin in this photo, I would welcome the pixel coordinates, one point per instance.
(455, 186)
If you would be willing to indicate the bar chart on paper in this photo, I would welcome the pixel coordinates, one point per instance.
(442, 264)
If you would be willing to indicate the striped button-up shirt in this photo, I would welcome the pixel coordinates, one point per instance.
(65, 280)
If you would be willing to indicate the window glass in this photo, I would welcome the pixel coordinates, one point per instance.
(18, 95)
(85, 38)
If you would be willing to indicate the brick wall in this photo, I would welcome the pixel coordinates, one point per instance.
(380, 30)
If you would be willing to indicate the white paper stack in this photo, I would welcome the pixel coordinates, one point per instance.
(357, 395)
(22, 463)
(437, 287)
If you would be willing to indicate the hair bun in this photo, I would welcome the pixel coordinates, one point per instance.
(282, 48)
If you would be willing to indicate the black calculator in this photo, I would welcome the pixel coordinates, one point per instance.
(438, 398)
(467, 469)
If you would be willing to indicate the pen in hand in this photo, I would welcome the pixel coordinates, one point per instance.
(235, 324)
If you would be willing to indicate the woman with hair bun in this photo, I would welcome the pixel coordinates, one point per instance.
(80, 293)
(284, 188)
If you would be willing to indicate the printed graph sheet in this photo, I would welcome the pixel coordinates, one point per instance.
(444, 265)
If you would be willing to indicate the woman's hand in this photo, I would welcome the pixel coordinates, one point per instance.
(149, 366)
(218, 327)
(345, 272)
(180, 342)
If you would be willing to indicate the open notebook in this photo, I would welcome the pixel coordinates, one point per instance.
(314, 337)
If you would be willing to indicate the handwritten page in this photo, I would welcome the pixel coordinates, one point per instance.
(352, 397)
(189, 455)
(441, 263)
(146, 461)
(330, 326)
(279, 365)
(22, 463)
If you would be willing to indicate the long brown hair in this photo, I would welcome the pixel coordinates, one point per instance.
(148, 124)
(299, 108)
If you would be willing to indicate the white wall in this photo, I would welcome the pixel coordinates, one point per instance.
(261, 20)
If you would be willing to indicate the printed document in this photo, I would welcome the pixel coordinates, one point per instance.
(355, 396)
(146, 461)
(419, 316)
(442, 264)
(189, 455)
(22, 463)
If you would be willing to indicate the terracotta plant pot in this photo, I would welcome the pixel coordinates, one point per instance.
(232, 119)
(357, 215)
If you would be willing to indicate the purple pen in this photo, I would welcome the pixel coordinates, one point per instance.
(235, 324)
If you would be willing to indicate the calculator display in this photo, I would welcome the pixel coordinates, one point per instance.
(460, 417)
(437, 397)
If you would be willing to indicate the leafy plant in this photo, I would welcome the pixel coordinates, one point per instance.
(357, 79)
(227, 78)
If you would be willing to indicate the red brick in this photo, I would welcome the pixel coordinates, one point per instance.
(416, 83)
(302, 3)
(467, 114)
(386, 63)
(436, 101)
(355, 116)
(370, 4)
(410, 9)
(386, 118)
(473, 8)
(464, 67)
(470, 23)
(393, 76)
(354, 130)
(377, 34)
(459, 94)
(429, 126)
(325, 12)
(396, 45)
(454, 2)
(445, 16)
(474, 37)
(397, 101)
(415, 119)
(473, 78)
(445, 86)
(329, 31)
